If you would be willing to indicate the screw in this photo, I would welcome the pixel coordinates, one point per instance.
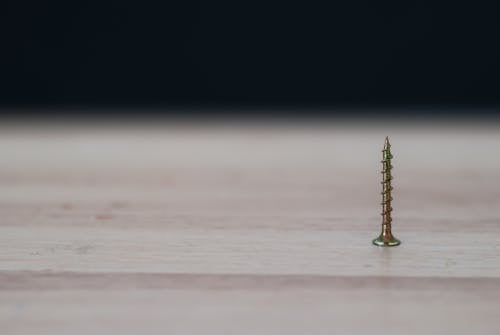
(386, 239)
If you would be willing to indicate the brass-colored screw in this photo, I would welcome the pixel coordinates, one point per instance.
(386, 239)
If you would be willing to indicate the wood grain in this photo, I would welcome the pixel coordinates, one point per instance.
(189, 228)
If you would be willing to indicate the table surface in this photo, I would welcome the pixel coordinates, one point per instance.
(248, 228)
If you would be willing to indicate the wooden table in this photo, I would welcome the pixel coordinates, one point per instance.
(180, 228)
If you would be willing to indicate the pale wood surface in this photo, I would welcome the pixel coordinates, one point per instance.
(244, 229)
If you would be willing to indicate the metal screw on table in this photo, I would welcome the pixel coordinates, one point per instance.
(386, 239)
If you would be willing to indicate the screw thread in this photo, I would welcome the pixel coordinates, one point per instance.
(386, 183)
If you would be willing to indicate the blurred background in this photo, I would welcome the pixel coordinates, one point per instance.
(238, 58)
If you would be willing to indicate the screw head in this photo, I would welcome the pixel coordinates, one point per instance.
(386, 241)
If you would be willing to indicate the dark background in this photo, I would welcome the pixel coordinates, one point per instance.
(244, 55)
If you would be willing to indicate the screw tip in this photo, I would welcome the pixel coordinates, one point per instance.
(387, 145)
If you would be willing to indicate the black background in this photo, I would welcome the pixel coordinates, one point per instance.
(249, 54)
